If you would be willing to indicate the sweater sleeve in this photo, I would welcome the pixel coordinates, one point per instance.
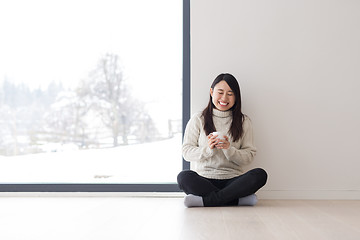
(247, 151)
(191, 150)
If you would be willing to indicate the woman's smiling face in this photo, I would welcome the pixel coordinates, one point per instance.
(222, 96)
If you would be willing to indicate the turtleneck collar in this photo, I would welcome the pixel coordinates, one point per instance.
(222, 114)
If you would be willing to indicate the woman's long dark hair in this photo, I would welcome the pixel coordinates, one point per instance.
(236, 128)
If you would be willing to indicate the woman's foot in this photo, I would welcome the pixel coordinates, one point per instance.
(250, 200)
(193, 201)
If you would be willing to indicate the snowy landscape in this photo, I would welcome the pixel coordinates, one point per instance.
(155, 162)
(87, 99)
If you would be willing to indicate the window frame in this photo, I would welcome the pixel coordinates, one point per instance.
(109, 187)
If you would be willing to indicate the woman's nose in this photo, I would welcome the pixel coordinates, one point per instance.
(224, 97)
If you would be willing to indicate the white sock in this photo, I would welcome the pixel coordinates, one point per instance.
(193, 201)
(250, 200)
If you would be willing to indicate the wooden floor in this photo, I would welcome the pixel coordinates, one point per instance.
(88, 218)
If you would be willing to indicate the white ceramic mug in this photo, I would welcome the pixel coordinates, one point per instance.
(219, 135)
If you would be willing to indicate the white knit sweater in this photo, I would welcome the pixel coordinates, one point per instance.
(217, 163)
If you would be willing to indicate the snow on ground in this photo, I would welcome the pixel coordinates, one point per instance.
(156, 162)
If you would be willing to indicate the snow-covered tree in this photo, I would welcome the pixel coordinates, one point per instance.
(111, 98)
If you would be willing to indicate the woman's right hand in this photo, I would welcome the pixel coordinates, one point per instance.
(212, 141)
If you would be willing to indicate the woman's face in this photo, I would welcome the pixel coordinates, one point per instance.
(222, 96)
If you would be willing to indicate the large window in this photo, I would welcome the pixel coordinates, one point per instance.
(91, 94)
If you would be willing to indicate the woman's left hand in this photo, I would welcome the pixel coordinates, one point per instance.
(225, 144)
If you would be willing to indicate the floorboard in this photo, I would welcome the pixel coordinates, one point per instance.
(90, 218)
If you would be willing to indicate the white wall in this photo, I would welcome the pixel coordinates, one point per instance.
(298, 64)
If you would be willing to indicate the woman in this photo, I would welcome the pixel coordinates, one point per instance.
(219, 179)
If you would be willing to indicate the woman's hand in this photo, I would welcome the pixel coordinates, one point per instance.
(215, 142)
(223, 144)
(212, 141)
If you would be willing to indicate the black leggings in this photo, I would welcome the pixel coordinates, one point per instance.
(224, 192)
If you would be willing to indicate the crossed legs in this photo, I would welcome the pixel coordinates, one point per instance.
(226, 192)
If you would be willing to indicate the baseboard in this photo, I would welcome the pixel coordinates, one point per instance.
(262, 194)
(310, 194)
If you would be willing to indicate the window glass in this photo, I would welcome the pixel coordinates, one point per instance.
(90, 91)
